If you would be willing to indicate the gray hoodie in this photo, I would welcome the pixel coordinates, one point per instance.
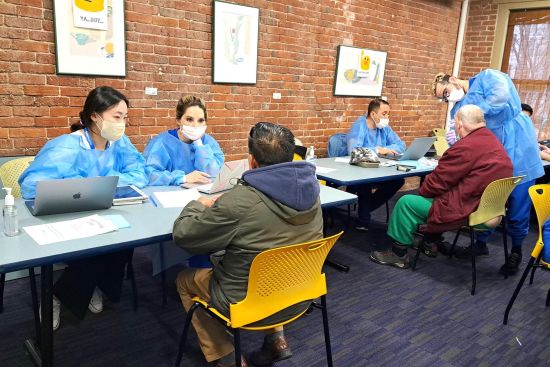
(273, 206)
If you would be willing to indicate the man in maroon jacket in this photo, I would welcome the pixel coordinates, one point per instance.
(452, 191)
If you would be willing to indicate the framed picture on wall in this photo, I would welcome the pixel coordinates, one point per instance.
(359, 72)
(89, 37)
(235, 43)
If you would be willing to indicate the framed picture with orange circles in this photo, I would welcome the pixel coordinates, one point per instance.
(89, 37)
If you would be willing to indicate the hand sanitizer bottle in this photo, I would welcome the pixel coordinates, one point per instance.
(310, 155)
(11, 223)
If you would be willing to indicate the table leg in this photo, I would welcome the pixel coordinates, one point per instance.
(43, 356)
(332, 263)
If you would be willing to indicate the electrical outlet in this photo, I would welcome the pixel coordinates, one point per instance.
(151, 91)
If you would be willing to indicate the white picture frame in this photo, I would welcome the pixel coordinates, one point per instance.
(235, 30)
(89, 37)
(359, 72)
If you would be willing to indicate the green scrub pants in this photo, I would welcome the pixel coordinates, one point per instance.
(409, 212)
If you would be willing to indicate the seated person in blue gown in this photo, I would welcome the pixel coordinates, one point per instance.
(182, 155)
(373, 131)
(185, 154)
(97, 146)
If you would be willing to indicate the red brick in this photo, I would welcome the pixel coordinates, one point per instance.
(29, 142)
(41, 90)
(32, 132)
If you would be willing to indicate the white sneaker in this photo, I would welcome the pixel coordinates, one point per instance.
(96, 303)
(56, 311)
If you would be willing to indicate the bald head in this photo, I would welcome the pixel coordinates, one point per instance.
(467, 119)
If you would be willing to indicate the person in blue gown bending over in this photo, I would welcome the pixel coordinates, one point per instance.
(185, 154)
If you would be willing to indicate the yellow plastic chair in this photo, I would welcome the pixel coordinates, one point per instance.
(279, 278)
(540, 196)
(440, 145)
(439, 132)
(490, 212)
(10, 172)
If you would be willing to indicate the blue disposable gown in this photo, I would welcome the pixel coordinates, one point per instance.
(71, 156)
(168, 159)
(360, 135)
(496, 95)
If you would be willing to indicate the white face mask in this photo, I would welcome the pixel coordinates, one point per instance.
(382, 123)
(192, 132)
(456, 95)
(111, 130)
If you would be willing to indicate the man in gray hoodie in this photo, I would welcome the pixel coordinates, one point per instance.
(275, 204)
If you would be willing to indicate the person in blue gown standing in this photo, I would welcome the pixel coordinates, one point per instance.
(496, 95)
(97, 146)
(185, 154)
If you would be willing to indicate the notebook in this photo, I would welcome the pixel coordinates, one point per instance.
(225, 180)
(73, 195)
(418, 148)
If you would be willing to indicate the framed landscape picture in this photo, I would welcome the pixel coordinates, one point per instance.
(235, 43)
(89, 37)
(359, 72)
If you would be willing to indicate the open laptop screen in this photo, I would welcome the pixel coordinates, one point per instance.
(73, 195)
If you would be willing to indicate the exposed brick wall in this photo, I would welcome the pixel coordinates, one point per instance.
(169, 47)
(479, 37)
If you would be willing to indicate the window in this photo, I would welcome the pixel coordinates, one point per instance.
(527, 60)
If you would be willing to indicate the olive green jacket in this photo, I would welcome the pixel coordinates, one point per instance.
(244, 221)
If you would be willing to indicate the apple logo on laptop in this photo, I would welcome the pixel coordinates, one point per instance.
(76, 196)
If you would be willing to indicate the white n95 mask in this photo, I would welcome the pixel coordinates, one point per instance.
(382, 123)
(456, 95)
(112, 130)
(193, 132)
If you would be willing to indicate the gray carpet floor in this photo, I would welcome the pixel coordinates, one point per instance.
(379, 316)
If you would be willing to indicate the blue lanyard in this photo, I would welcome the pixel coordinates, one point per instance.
(89, 138)
(90, 141)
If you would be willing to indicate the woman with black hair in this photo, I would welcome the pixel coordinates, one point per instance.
(97, 146)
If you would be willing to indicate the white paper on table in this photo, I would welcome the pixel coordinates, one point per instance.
(342, 160)
(176, 199)
(89, 226)
(323, 169)
(388, 164)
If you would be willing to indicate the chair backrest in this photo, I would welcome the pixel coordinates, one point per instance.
(282, 277)
(540, 196)
(10, 172)
(440, 145)
(493, 200)
(338, 145)
(439, 132)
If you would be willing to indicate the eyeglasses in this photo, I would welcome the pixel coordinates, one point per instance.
(445, 95)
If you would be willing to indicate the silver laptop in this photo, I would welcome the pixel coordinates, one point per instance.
(418, 149)
(73, 195)
(225, 180)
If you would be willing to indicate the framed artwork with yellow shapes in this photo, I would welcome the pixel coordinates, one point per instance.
(359, 72)
(89, 37)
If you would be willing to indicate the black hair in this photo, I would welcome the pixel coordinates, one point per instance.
(270, 144)
(98, 101)
(374, 105)
(525, 107)
(189, 101)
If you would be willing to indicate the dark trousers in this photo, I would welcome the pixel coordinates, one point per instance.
(77, 283)
(369, 200)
